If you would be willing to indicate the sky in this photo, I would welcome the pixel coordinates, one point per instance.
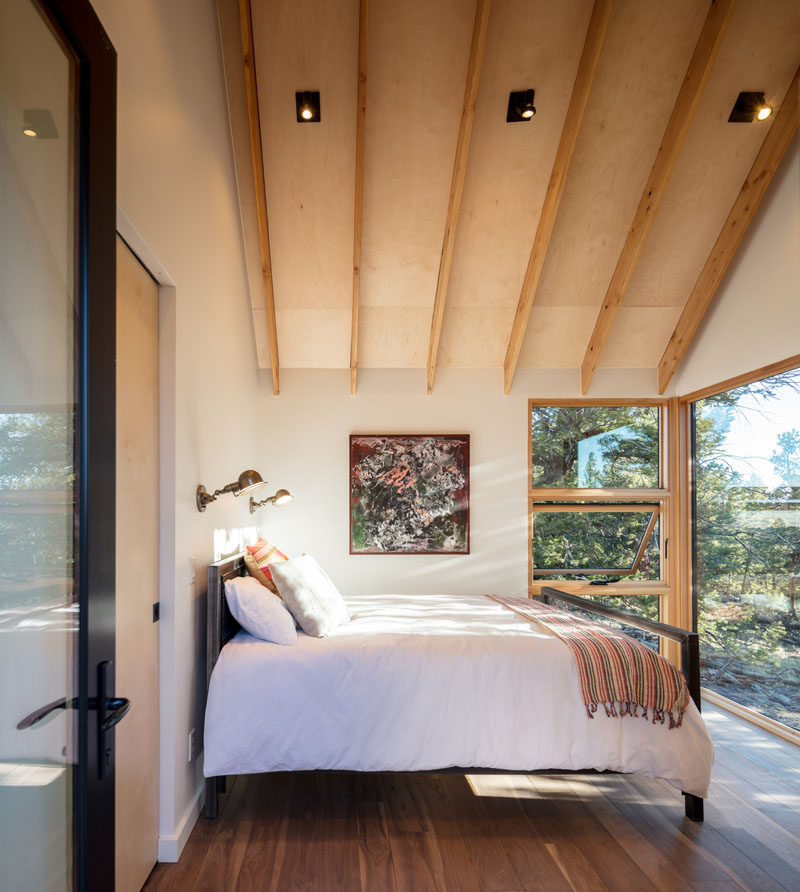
(753, 435)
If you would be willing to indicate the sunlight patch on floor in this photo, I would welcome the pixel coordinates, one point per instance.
(521, 786)
(790, 800)
(508, 786)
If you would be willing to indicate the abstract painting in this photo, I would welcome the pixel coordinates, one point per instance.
(409, 494)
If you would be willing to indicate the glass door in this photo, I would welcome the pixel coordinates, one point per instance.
(57, 88)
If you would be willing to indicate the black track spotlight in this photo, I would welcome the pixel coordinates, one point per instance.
(520, 106)
(308, 108)
(750, 106)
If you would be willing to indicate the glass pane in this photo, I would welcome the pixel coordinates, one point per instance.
(647, 606)
(594, 543)
(747, 466)
(38, 613)
(594, 446)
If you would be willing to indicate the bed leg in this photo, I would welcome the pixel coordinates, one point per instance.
(693, 806)
(210, 810)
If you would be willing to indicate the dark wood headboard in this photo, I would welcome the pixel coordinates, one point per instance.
(221, 626)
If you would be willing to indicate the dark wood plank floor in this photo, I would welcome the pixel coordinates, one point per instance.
(506, 832)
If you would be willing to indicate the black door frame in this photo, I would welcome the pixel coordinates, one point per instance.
(95, 303)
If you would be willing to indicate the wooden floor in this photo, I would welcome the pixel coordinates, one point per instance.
(506, 832)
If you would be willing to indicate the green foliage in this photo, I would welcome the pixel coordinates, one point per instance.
(597, 447)
(36, 517)
(748, 536)
(748, 554)
(747, 566)
(593, 540)
(736, 634)
(625, 453)
(646, 606)
(36, 451)
(786, 458)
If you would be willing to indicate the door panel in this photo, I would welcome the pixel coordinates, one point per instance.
(57, 108)
(38, 591)
(137, 570)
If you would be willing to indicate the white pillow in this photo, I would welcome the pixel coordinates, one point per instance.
(308, 592)
(258, 611)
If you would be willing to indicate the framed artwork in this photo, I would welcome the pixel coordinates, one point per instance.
(409, 494)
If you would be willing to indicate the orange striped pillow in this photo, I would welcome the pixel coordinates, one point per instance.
(262, 554)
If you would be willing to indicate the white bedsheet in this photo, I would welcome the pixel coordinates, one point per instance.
(423, 682)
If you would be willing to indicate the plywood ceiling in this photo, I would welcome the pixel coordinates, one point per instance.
(417, 56)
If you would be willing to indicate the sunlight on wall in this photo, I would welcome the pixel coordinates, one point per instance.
(228, 542)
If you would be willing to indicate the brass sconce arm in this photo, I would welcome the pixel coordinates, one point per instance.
(280, 498)
(248, 481)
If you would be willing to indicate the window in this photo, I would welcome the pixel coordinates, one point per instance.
(595, 446)
(598, 506)
(596, 540)
(746, 462)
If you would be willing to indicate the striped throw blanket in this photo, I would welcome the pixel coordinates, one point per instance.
(614, 670)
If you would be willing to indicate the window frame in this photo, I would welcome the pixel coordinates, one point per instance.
(687, 604)
(650, 508)
(685, 450)
(586, 499)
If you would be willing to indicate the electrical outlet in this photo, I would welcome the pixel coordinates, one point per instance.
(192, 745)
(192, 571)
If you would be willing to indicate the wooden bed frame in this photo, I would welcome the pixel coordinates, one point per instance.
(222, 627)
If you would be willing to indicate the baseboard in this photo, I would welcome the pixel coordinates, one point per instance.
(170, 847)
(750, 715)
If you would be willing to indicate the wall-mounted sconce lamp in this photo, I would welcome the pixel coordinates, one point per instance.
(249, 481)
(281, 497)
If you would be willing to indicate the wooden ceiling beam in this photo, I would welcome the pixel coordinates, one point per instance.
(457, 183)
(741, 215)
(697, 73)
(361, 121)
(236, 33)
(231, 41)
(254, 121)
(595, 35)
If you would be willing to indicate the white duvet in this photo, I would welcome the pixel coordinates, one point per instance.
(425, 682)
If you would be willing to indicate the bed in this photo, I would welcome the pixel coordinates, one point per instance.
(426, 684)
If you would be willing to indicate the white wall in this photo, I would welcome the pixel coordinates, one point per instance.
(755, 317)
(305, 434)
(306, 431)
(176, 186)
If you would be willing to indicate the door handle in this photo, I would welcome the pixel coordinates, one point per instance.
(110, 712)
(40, 714)
(121, 707)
